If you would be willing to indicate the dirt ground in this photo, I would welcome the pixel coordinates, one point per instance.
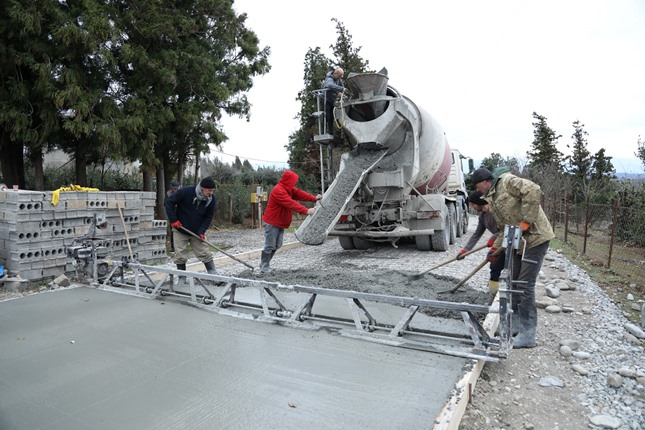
(509, 395)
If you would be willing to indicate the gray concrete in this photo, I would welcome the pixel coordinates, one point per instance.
(149, 364)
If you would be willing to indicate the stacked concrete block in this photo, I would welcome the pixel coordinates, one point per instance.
(35, 233)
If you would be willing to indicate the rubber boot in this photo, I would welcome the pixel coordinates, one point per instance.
(493, 287)
(526, 336)
(515, 323)
(265, 259)
(210, 268)
(181, 279)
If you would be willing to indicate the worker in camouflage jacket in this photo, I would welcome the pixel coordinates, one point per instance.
(516, 201)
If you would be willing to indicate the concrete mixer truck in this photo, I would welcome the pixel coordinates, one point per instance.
(400, 180)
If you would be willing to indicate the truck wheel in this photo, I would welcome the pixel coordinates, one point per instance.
(424, 243)
(346, 242)
(460, 221)
(464, 221)
(441, 238)
(360, 243)
(453, 223)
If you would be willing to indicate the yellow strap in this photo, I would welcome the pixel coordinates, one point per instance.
(72, 187)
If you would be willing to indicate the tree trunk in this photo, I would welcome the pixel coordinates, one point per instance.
(147, 179)
(169, 171)
(39, 174)
(197, 178)
(181, 164)
(80, 165)
(161, 192)
(12, 161)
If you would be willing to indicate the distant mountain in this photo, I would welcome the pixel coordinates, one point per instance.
(623, 175)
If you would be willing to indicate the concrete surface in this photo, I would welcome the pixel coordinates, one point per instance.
(89, 359)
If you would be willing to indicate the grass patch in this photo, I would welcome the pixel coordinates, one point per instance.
(624, 277)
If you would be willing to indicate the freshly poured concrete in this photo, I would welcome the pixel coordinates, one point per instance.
(90, 359)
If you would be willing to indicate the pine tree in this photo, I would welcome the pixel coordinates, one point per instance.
(544, 152)
(580, 161)
(640, 151)
(602, 169)
(495, 160)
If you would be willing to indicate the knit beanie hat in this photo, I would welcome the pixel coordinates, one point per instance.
(207, 183)
(476, 198)
(480, 175)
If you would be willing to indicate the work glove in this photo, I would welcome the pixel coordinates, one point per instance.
(176, 224)
(490, 257)
(524, 225)
(491, 242)
(461, 255)
(203, 236)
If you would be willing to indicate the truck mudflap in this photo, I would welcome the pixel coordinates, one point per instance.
(357, 164)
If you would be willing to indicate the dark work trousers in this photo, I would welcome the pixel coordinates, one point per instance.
(527, 271)
(497, 266)
(329, 117)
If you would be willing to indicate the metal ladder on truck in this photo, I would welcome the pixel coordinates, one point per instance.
(324, 139)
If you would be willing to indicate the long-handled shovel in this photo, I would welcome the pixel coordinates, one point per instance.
(450, 260)
(215, 247)
(470, 275)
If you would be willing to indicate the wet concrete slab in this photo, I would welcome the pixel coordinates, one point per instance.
(84, 358)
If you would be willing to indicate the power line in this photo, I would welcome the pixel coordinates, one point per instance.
(253, 159)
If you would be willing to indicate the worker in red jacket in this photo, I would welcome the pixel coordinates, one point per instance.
(283, 200)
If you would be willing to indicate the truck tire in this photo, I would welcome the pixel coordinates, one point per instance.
(441, 238)
(464, 222)
(424, 243)
(453, 223)
(360, 243)
(346, 242)
(460, 220)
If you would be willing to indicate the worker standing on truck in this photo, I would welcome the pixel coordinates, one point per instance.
(192, 208)
(516, 201)
(278, 214)
(334, 85)
(486, 222)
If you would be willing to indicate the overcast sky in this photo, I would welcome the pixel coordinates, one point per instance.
(481, 68)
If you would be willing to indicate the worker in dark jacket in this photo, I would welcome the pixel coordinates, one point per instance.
(283, 200)
(192, 208)
(334, 85)
(516, 201)
(486, 222)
